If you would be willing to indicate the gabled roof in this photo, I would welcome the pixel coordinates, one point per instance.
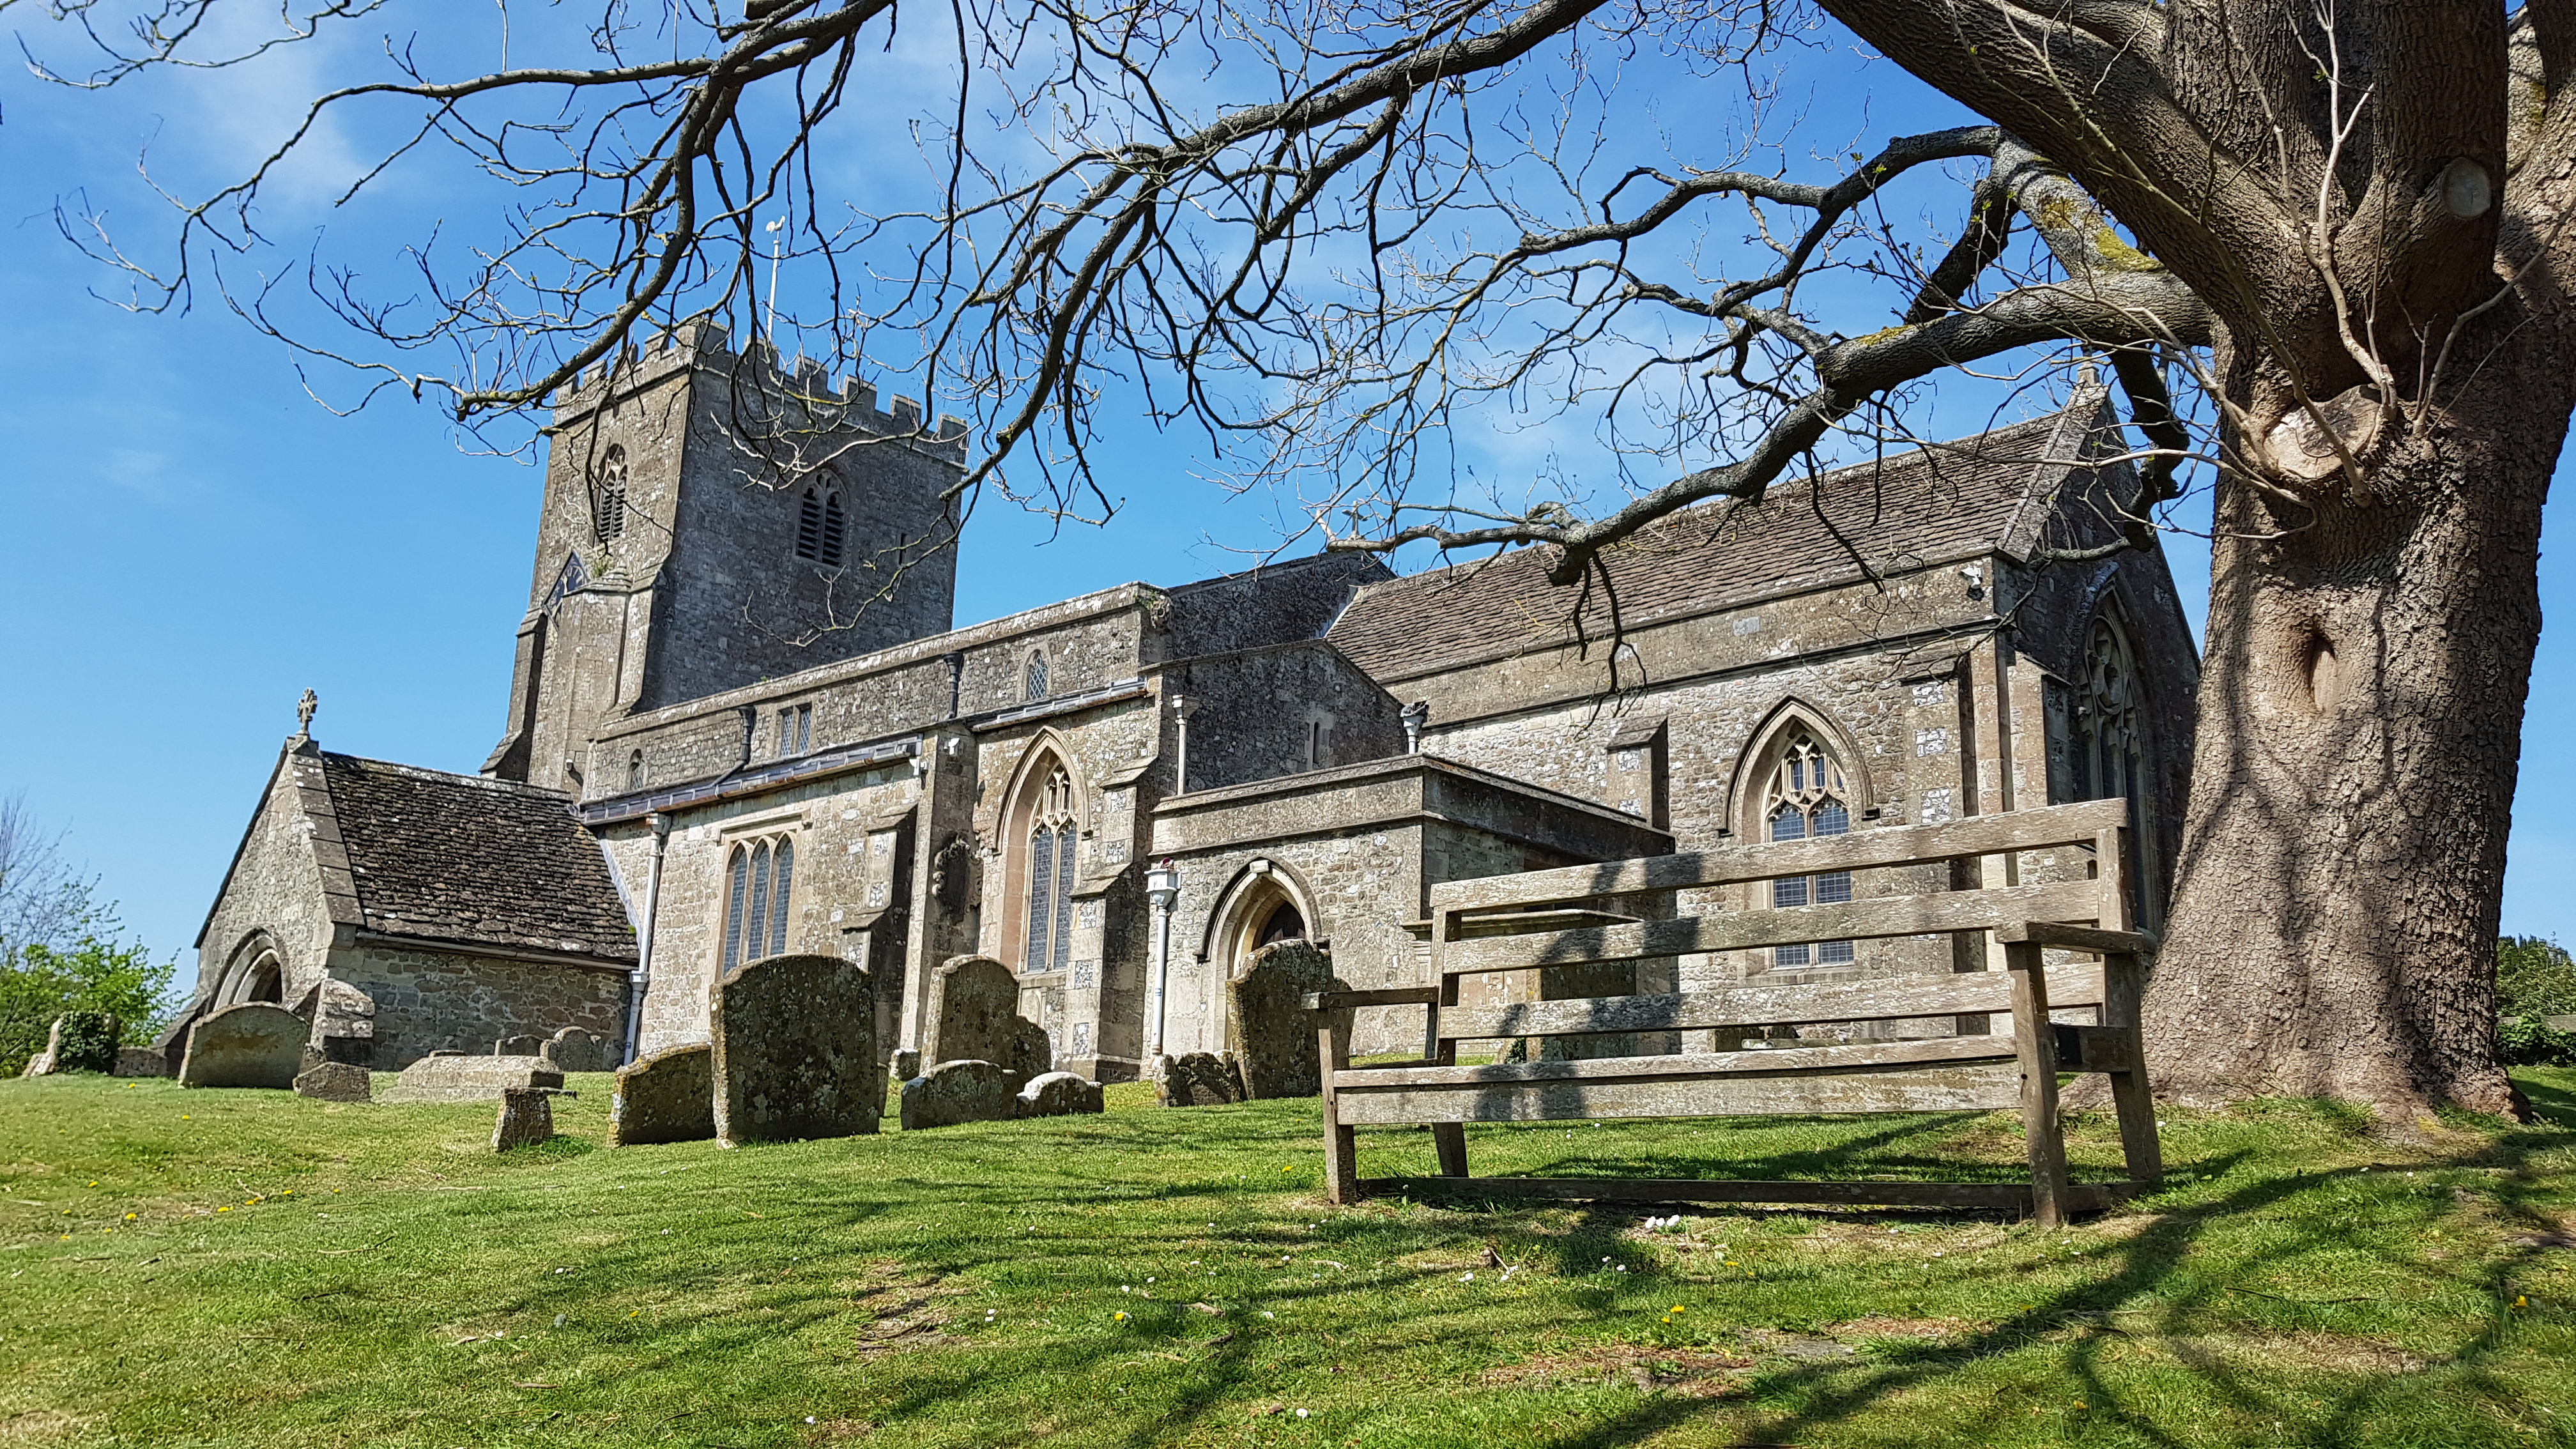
(463, 859)
(1912, 508)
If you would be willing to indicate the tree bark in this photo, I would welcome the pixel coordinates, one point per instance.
(2336, 904)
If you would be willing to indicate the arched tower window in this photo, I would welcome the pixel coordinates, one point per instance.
(821, 527)
(1047, 936)
(1033, 680)
(760, 877)
(608, 499)
(2110, 747)
(1806, 797)
(635, 770)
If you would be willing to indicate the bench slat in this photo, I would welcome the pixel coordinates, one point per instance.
(1737, 930)
(1979, 1087)
(2015, 830)
(1994, 1196)
(1893, 998)
(1838, 1056)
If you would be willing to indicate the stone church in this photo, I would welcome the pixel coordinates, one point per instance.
(742, 722)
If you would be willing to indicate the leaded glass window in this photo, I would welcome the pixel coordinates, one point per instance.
(1049, 942)
(1807, 799)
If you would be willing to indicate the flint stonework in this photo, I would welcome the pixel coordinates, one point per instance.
(575, 1050)
(250, 1045)
(335, 1082)
(526, 1118)
(1059, 1094)
(470, 1079)
(975, 1016)
(1200, 1079)
(1278, 1034)
(666, 1097)
(795, 1051)
(955, 1092)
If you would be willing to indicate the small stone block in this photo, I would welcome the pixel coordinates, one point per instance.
(527, 1117)
(955, 1092)
(1059, 1094)
(252, 1044)
(666, 1097)
(576, 1050)
(335, 1082)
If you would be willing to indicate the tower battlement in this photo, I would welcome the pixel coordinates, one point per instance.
(802, 393)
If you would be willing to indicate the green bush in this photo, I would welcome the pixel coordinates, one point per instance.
(96, 973)
(2534, 978)
(2525, 1042)
(89, 1042)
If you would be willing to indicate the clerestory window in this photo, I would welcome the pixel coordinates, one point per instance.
(608, 496)
(1033, 680)
(760, 878)
(1807, 798)
(821, 527)
(1048, 944)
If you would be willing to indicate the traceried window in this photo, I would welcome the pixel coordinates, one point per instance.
(2109, 745)
(1049, 940)
(608, 499)
(1033, 681)
(1806, 799)
(821, 527)
(760, 878)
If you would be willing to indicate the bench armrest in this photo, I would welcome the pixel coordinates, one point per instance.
(2075, 938)
(1384, 996)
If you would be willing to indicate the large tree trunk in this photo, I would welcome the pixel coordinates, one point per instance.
(2334, 924)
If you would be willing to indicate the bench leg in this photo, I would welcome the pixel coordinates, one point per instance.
(2036, 1046)
(1341, 1147)
(1450, 1138)
(2124, 976)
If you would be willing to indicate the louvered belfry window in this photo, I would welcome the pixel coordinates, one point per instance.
(608, 499)
(822, 528)
(1049, 946)
(759, 881)
(1806, 800)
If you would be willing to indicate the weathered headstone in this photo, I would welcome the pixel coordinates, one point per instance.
(527, 1117)
(1059, 1094)
(954, 1092)
(907, 1065)
(666, 1097)
(344, 1023)
(1198, 1079)
(252, 1044)
(795, 1050)
(42, 1063)
(456, 1078)
(519, 1046)
(575, 1050)
(141, 1062)
(334, 1082)
(975, 1016)
(1276, 1031)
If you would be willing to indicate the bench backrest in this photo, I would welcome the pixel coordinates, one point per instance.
(1471, 931)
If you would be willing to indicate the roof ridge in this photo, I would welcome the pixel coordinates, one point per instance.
(482, 782)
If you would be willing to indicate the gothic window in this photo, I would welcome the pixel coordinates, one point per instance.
(1286, 923)
(2109, 743)
(635, 770)
(1034, 681)
(1048, 924)
(759, 879)
(608, 500)
(821, 527)
(1807, 798)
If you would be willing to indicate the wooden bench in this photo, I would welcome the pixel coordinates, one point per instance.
(1517, 923)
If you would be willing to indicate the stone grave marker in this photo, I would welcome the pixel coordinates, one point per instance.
(42, 1063)
(252, 1044)
(954, 1092)
(344, 1023)
(975, 1017)
(576, 1050)
(1199, 1079)
(1280, 1058)
(527, 1117)
(335, 1082)
(141, 1062)
(1059, 1094)
(666, 1097)
(795, 1051)
(519, 1046)
(446, 1077)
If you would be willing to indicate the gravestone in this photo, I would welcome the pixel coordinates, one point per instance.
(575, 1050)
(527, 1117)
(1059, 1094)
(1198, 1079)
(252, 1044)
(666, 1097)
(344, 1023)
(954, 1092)
(519, 1046)
(141, 1062)
(795, 1051)
(975, 1017)
(907, 1065)
(334, 1082)
(1277, 1032)
(448, 1077)
(42, 1063)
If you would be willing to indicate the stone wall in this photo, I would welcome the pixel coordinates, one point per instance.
(1281, 710)
(274, 894)
(435, 1000)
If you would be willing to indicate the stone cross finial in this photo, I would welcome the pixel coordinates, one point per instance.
(304, 712)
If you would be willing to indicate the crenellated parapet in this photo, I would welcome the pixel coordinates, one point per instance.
(799, 394)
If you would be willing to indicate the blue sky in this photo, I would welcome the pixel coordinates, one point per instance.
(188, 540)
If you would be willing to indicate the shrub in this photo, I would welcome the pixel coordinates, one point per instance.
(97, 973)
(2525, 1042)
(89, 1042)
(2534, 978)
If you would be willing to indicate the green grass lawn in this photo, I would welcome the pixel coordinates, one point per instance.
(237, 1267)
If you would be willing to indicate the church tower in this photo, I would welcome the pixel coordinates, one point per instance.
(711, 521)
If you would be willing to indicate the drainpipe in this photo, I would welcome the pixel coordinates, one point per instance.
(1162, 887)
(1414, 716)
(1182, 709)
(643, 976)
